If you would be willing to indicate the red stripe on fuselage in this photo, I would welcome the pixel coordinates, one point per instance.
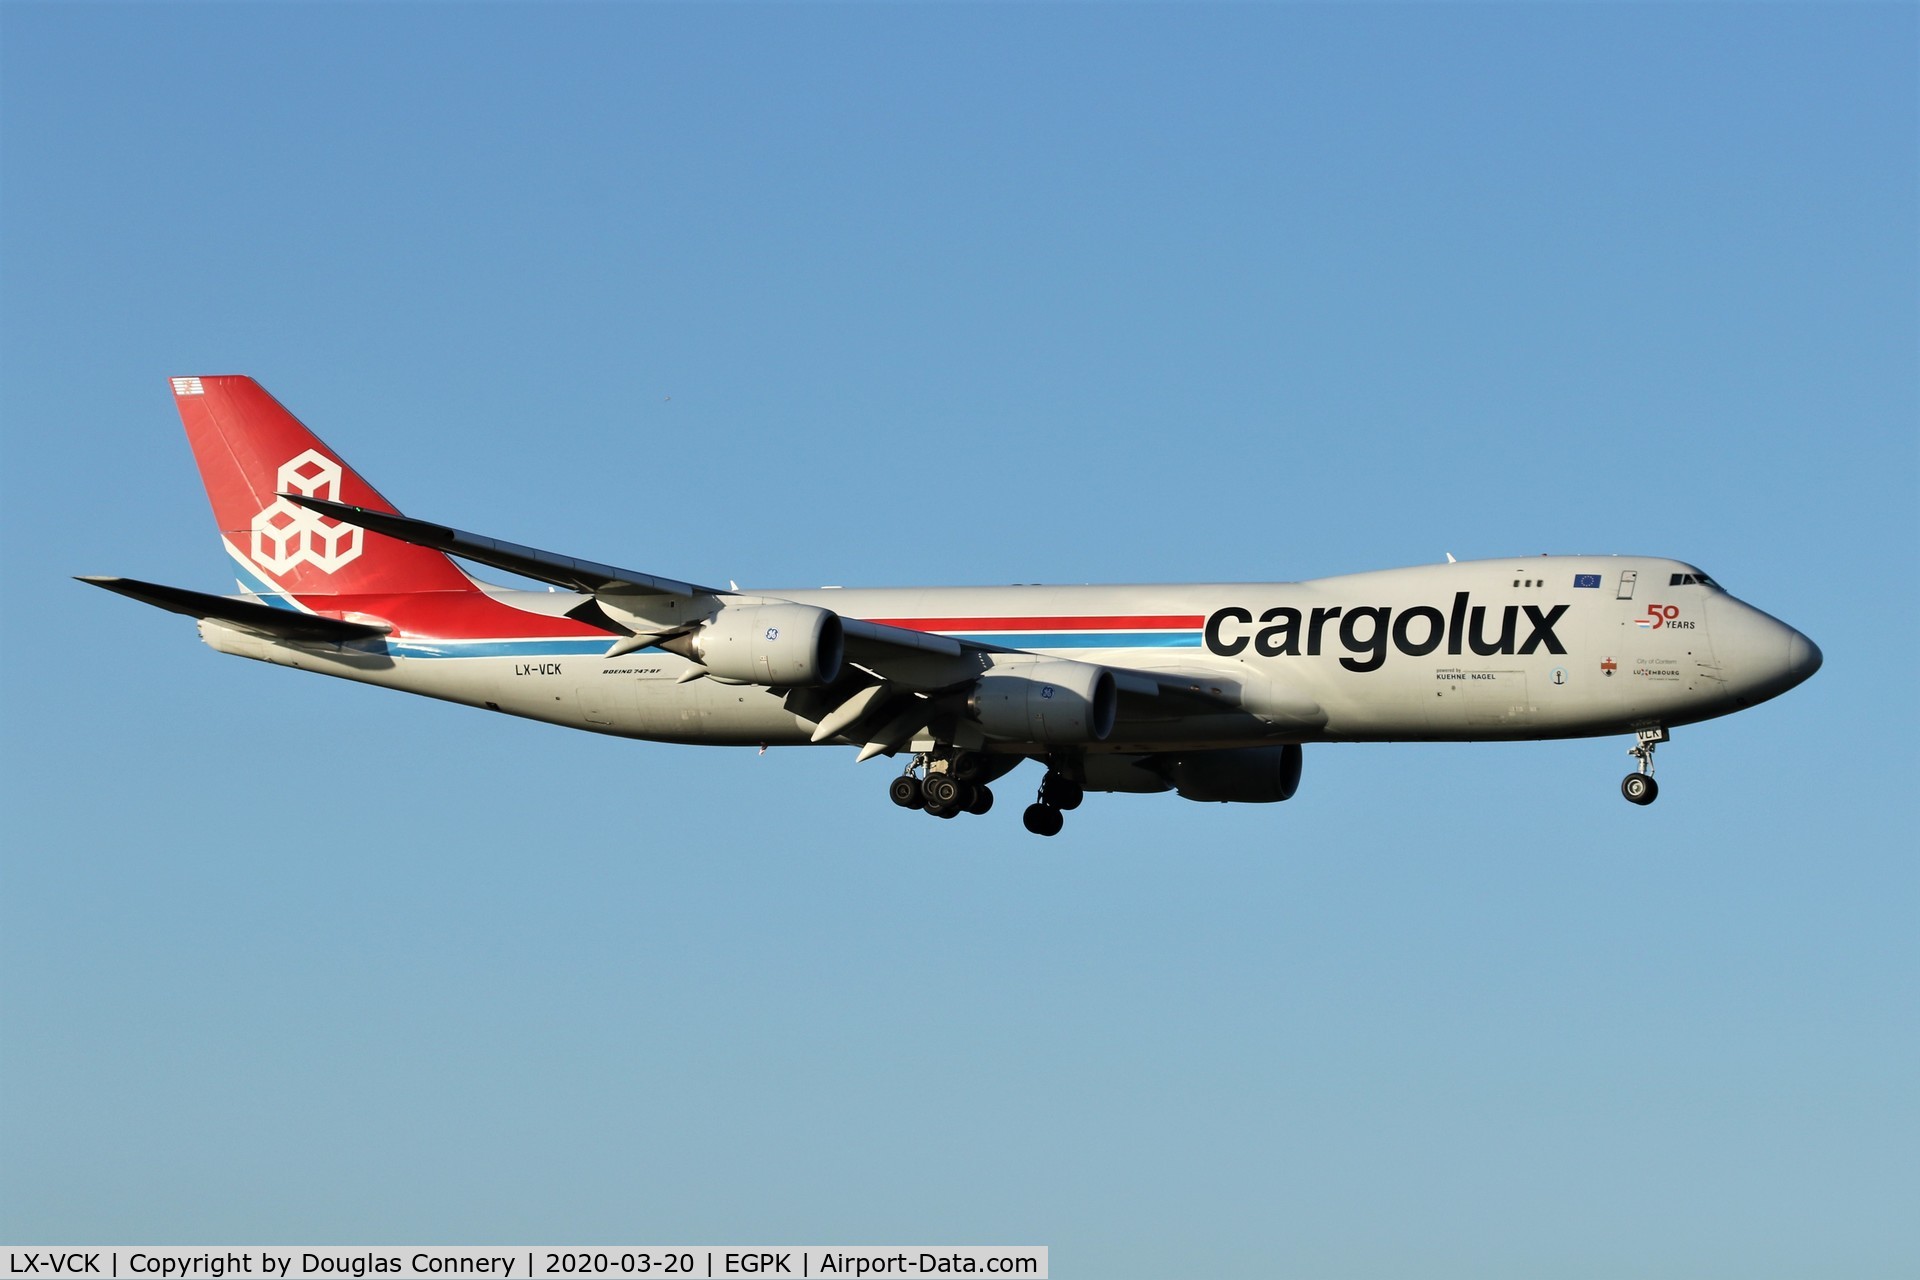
(1109, 622)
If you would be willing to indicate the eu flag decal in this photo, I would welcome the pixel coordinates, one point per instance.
(1586, 579)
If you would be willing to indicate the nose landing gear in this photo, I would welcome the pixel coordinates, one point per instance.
(1639, 786)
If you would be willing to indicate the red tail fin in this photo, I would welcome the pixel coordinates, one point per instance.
(250, 450)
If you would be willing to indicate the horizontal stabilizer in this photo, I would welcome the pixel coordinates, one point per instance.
(529, 562)
(284, 623)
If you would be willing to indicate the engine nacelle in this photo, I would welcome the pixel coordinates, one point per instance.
(1237, 775)
(1050, 700)
(777, 644)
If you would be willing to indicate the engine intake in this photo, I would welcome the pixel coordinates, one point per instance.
(774, 644)
(1051, 701)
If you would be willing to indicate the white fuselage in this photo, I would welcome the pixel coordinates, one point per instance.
(1492, 649)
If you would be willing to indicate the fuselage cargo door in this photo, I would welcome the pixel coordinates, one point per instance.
(1481, 702)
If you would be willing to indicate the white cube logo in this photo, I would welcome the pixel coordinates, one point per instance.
(286, 534)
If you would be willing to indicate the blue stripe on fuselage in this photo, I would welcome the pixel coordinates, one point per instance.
(594, 646)
(558, 648)
(548, 648)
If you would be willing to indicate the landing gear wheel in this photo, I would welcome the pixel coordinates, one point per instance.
(1061, 793)
(1043, 820)
(1640, 788)
(905, 792)
(943, 792)
(982, 800)
(943, 812)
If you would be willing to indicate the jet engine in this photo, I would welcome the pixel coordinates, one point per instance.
(1051, 701)
(1238, 775)
(774, 644)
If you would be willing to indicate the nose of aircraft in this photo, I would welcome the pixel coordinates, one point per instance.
(1760, 656)
(1803, 656)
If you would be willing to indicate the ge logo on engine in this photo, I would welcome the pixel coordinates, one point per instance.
(286, 536)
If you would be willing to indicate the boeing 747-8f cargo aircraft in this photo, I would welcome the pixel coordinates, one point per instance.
(1205, 690)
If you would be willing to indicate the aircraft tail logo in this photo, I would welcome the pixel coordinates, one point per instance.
(286, 534)
(250, 450)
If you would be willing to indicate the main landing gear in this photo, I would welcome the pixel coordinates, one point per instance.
(1639, 786)
(948, 790)
(948, 782)
(1057, 792)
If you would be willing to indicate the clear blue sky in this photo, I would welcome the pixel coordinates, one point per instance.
(873, 295)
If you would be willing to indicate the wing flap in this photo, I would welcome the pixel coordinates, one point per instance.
(878, 634)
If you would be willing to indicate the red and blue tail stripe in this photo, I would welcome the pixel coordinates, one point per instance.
(439, 624)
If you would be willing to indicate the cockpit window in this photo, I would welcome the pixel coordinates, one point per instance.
(1691, 579)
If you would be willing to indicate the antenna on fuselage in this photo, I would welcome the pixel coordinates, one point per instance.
(1450, 559)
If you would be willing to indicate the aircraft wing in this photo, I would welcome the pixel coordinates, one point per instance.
(865, 640)
(528, 562)
(902, 659)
